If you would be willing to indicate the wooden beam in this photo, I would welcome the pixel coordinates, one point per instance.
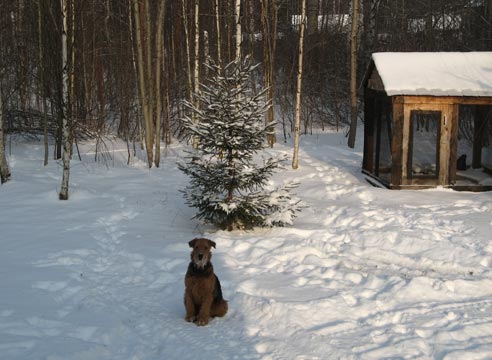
(442, 100)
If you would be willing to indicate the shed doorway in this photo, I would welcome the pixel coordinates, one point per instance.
(424, 142)
(474, 148)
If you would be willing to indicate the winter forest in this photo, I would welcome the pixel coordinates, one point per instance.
(124, 68)
(242, 121)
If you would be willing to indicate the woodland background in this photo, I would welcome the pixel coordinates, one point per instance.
(131, 63)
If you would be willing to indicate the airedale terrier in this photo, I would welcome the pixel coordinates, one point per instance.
(203, 294)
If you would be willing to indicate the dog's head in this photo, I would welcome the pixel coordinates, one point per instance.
(201, 254)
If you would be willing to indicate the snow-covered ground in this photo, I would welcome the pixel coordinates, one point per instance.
(364, 273)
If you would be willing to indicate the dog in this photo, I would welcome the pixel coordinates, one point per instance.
(203, 294)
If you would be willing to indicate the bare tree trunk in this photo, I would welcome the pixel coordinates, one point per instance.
(206, 53)
(65, 107)
(41, 82)
(4, 166)
(312, 16)
(144, 99)
(237, 17)
(22, 49)
(353, 74)
(73, 112)
(196, 70)
(187, 46)
(158, 71)
(370, 17)
(217, 21)
(135, 75)
(295, 160)
(269, 24)
(149, 122)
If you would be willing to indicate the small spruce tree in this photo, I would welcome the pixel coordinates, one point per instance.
(227, 181)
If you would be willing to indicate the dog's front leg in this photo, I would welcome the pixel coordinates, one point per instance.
(204, 314)
(190, 306)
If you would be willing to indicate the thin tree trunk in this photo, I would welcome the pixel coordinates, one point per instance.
(196, 72)
(370, 17)
(353, 74)
(312, 16)
(144, 100)
(72, 65)
(135, 75)
(269, 25)
(4, 166)
(65, 107)
(158, 70)
(217, 21)
(149, 122)
(237, 17)
(295, 160)
(206, 52)
(41, 82)
(188, 55)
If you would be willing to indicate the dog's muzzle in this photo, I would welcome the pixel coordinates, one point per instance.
(201, 261)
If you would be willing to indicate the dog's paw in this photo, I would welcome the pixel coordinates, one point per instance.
(190, 318)
(202, 322)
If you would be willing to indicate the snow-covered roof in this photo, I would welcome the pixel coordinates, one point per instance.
(435, 73)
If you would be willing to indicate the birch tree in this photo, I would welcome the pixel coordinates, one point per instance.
(297, 126)
(353, 73)
(67, 144)
(237, 18)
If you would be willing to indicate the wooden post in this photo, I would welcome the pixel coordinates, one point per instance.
(397, 142)
(453, 143)
(445, 145)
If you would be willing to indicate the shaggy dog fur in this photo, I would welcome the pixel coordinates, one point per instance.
(203, 294)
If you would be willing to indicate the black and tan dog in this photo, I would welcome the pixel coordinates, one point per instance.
(203, 294)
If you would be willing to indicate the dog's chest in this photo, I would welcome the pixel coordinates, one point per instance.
(200, 282)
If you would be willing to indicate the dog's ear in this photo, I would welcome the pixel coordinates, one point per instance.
(212, 243)
(192, 243)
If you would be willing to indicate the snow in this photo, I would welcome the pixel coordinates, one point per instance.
(435, 73)
(363, 273)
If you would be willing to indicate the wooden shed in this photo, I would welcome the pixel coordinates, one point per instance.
(427, 120)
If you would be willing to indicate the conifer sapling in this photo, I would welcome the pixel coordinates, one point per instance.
(228, 180)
